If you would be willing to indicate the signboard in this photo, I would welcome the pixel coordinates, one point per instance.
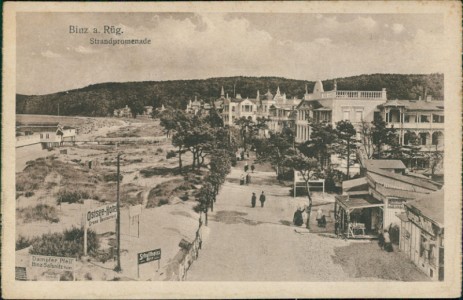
(135, 210)
(101, 214)
(395, 203)
(53, 262)
(148, 256)
(421, 222)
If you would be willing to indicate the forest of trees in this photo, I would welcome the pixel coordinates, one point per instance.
(101, 99)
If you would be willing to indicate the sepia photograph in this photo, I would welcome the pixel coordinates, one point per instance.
(214, 145)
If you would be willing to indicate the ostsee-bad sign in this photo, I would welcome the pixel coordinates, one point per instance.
(100, 214)
(53, 262)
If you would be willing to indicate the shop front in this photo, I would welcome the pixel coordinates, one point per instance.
(422, 240)
(358, 216)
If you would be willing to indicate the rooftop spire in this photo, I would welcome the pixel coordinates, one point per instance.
(222, 93)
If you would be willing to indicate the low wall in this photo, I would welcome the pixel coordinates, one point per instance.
(178, 268)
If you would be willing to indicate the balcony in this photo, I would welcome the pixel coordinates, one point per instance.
(399, 125)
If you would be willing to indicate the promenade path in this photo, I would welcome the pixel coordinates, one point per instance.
(260, 244)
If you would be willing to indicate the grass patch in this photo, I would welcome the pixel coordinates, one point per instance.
(39, 213)
(67, 244)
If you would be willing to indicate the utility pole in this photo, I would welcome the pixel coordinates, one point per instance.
(118, 219)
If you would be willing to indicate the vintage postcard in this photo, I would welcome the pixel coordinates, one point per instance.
(231, 149)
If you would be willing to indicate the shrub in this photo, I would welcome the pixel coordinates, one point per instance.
(159, 150)
(112, 177)
(23, 242)
(72, 196)
(163, 202)
(171, 154)
(67, 244)
(38, 213)
(184, 197)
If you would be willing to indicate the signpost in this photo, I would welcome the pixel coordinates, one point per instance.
(53, 262)
(135, 211)
(148, 256)
(299, 182)
(96, 216)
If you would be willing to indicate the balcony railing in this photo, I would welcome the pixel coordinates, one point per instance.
(351, 95)
(416, 125)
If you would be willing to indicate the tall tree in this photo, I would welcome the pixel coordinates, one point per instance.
(346, 133)
(320, 145)
(382, 136)
(278, 146)
(206, 197)
(308, 167)
(366, 136)
(246, 127)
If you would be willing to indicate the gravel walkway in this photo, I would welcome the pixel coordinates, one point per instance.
(260, 244)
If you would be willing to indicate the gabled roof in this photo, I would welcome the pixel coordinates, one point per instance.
(384, 164)
(348, 185)
(431, 206)
(398, 181)
(309, 104)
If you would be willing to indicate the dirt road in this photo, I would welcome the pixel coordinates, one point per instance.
(260, 244)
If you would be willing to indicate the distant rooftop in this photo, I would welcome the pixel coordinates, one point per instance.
(416, 104)
(384, 164)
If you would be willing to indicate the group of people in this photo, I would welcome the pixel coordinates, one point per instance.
(384, 241)
(245, 179)
(241, 154)
(261, 199)
(298, 219)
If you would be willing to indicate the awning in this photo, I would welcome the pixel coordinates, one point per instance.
(357, 202)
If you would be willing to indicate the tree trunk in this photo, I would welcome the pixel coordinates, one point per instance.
(309, 207)
(206, 217)
(212, 205)
(194, 160)
(348, 159)
(180, 158)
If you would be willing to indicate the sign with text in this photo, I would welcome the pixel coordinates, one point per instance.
(148, 256)
(395, 203)
(53, 262)
(101, 214)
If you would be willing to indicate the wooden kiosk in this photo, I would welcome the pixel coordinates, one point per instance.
(358, 216)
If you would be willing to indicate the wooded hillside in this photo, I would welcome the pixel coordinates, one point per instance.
(101, 99)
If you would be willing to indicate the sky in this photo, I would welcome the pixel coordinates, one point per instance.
(305, 46)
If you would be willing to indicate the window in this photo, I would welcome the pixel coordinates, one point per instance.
(424, 119)
(409, 118)
(358, 115)
(233, 108)
(345, 115)
(41, 136)
(437, 119)
(48, 136)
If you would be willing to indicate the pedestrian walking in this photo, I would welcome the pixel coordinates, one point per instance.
(242, 179)
(247, 154)
(262, 199)
(248, 178)
(253, 199)
(246, 167)
(253, 168)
